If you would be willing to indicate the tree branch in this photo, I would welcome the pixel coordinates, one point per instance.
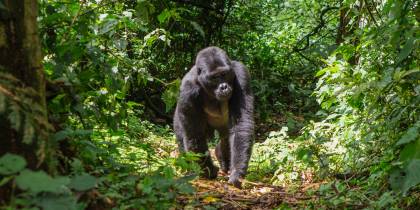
(314, 31)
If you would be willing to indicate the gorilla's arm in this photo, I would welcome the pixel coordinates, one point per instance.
(190, 123)
(241, 134)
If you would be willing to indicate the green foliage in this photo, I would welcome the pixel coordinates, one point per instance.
(407, 177)
(170, 95)
(160, 189)
(368, 93)
(11, 164)
(39, 189)
(23, 110)
(336, 85)
(277, 157)
(83, 182)
(36, 182)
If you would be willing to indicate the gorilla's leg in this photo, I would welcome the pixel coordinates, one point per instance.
(199, 145)
(240, 155)
(180, 142)
(223, 151)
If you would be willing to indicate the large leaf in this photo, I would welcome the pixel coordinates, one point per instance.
(409, 136)
(39, 181)
(407, 177)
(410, 151)
(82, 182)
(11, 164)
(54, 202)
(407, 48)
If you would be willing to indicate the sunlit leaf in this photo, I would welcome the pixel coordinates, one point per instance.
(210, 199)
(164, 16)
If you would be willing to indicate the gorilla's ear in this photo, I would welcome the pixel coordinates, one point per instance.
(198, 70)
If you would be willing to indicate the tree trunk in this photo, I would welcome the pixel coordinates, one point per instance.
(23, 116)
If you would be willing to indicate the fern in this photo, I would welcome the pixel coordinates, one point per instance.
(24, 113)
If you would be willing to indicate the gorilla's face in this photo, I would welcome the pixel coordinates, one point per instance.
(215, 74)
(217, 82)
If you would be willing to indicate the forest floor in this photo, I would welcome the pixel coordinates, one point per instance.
(254, 195)
(218, 194)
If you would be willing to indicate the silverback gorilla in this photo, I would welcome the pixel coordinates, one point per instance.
(216, 95)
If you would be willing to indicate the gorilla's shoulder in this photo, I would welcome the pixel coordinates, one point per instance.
(190, 78)
(241, 72)
(189, 85)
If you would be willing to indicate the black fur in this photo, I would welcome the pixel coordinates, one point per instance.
(216, 95)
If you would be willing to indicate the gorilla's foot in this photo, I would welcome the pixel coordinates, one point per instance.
(234, 179)
(210, 172)
(224, 168)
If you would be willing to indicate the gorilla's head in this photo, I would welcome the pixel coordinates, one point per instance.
(215, 75)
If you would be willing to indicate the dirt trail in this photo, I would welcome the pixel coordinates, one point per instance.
(220, 195)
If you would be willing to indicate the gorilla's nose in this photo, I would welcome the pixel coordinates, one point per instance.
(223, 86)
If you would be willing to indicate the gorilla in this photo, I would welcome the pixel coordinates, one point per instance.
(216, 95)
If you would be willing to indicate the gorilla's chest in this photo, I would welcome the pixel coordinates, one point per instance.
(217, 114)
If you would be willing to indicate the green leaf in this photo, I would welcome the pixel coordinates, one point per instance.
(5, 180)
(410, 151)
(60, 135)
(108, 26)
(386, 199)
(144, 9)
(54, 202)
(170, 95)
(198, 28)
(11, 164)
(39, 181)
(164, 16)
(186, 188)
(406, 178)
(82, 182)
(409, 136)
(406, 50)
(183, 185)
(330, 69)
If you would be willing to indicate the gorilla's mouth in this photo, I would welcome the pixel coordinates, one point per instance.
(223, 95)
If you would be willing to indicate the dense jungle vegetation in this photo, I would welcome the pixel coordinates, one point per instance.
(88, 89)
